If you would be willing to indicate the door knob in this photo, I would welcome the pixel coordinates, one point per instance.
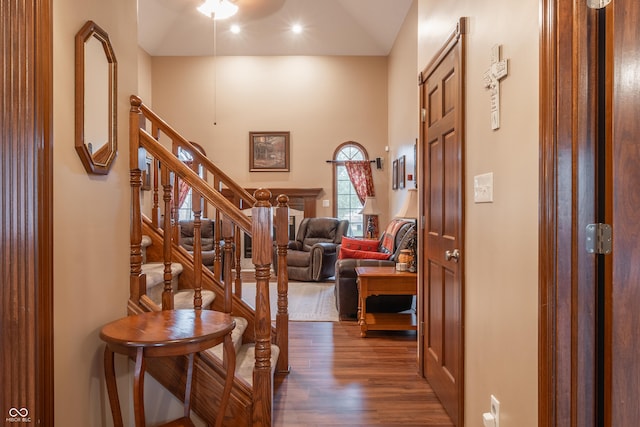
(452, 255)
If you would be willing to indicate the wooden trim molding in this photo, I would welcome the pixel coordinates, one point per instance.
(302, 199)
(569, 141)
(27, 237)
(547, 219)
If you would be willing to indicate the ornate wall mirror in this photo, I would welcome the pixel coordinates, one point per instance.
(96, 81)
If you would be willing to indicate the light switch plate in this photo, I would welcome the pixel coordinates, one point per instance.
(325, 203)
(483, 188)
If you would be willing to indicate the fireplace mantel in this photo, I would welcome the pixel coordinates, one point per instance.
(303, 199)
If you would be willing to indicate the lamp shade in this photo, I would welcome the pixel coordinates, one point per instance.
(409, 208)
(218, 9)
(370, 206)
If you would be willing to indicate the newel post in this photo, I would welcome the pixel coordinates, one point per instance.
(261, 227)
(282, 318)
(137, 280)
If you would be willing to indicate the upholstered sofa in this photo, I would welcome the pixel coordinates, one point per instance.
(206, 239)
(397, 236)
(312, 256)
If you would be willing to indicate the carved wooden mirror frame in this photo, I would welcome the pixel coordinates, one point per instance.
(96, 154)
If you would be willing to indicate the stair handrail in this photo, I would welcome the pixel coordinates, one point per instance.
(159, 123)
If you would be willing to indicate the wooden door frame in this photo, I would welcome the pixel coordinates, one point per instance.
(566, 346)
(548, 222)
(28, 244)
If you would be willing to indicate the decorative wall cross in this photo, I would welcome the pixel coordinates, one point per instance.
(495, 73)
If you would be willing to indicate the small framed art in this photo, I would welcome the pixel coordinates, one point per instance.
(269, 152)
(394, 175)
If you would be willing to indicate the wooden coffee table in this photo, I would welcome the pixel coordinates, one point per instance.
(384, 281)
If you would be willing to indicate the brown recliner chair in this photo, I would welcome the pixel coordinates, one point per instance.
(312, 256)
(206, 239)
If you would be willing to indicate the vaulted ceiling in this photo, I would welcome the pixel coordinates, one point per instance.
(330, 27)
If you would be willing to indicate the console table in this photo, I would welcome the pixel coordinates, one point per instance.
(384, 281)
(160, 334)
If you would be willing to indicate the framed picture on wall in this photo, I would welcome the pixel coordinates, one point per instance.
(269, 151)
(402, 171)
(394, 175)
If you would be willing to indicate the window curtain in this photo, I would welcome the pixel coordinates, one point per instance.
(359, 172)
(183, 187)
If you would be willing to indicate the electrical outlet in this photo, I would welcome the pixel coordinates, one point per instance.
(495, 410)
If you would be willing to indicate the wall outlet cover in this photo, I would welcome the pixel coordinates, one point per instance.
(495, 410)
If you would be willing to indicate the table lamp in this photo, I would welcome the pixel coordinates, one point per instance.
(370, 209)
(409, 210)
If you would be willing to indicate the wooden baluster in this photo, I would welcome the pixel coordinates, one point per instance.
(174, 231)
(196, 207)
(238, 264)
(227, 234)
(155, 209)
(261, 228)
(167, 293)
(282, 317)
(197, 250)
(137, 280)
(217, 239)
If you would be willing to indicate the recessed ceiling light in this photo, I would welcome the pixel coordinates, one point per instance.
(235, 28)
(296, 28)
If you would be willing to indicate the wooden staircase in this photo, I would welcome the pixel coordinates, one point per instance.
(165, 276)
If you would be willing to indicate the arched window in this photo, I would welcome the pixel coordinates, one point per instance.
(346, 203)
(185, 199)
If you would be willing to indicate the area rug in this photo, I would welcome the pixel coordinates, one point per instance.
(308, 301)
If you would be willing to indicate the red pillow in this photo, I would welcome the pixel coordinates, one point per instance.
(360, 244)
(354, 253)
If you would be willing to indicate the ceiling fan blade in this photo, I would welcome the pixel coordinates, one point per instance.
(255, 9)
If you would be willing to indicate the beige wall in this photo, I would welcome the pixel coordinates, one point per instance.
(501, 237)
(404, 102)
(91, 226)
(322, 101)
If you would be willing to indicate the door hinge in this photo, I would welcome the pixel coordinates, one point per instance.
(422, 329)
(599, 239)
(423, 115)
(597, 4)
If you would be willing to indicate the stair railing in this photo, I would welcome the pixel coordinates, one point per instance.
(231, 222)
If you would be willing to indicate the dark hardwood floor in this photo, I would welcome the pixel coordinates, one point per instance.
(340, 379)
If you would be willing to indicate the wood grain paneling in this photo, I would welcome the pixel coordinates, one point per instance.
(26, 329)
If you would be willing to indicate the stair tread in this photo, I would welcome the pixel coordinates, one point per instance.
(184, 299)
(245, 361)
(154, 272)
(146, 241)
(236, 337)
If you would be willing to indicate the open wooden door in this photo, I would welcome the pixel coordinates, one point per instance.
(589, 317)
(442, 285)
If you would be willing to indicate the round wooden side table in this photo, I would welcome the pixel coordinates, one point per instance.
(160, 334)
